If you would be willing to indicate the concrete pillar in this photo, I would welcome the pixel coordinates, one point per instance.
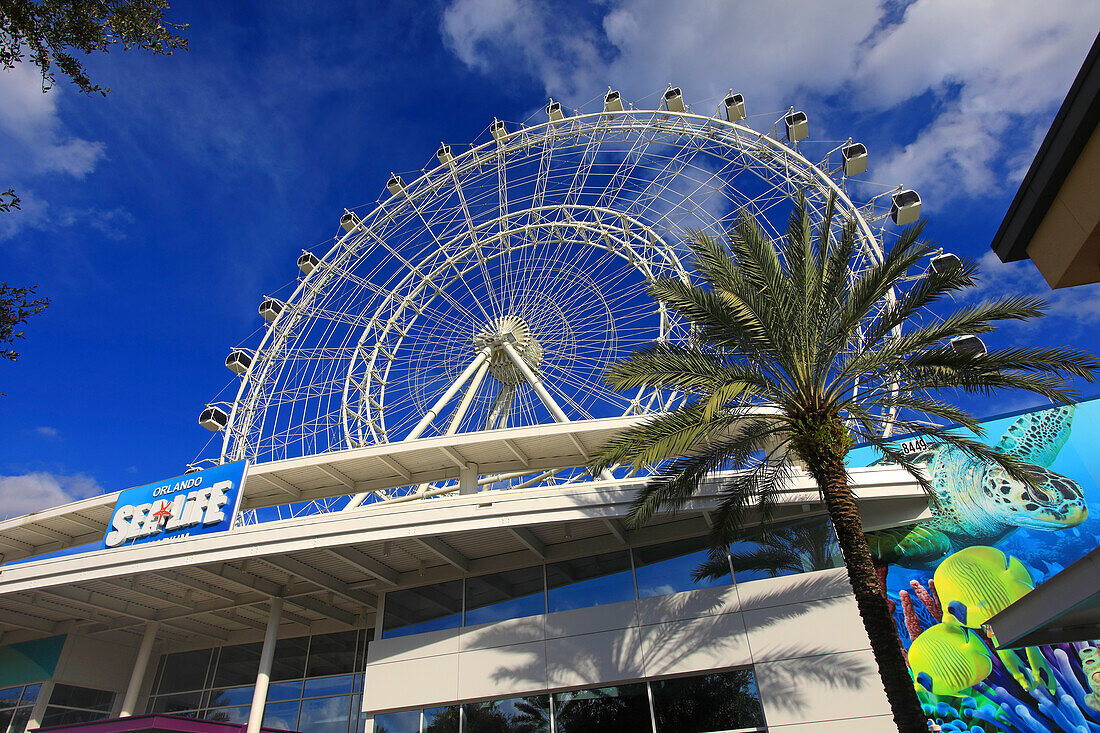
(467, 479)
(263, 675)
(141, 664)
(39, 709)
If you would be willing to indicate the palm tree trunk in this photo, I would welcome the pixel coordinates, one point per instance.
(826, 465)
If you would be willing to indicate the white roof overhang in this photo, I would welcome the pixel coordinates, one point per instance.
(373, 468)
(330, 567)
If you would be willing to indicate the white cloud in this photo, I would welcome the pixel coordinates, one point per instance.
(46, 431)
(994, 70)
(35, 213)
(36, 491)
(36, 140)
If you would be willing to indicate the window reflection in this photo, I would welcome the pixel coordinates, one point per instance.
(428, 608)
(331, 654)
(229, 715)
(712, 702)
(500, 596)
(786, 548)
(620, 708)
(281, 715)
(709, 703)
(667, 568)
(231, 696)
(325, 715)
(184, 671)
(442, 720)
(589, 581)
(237, 665)
(403, 722)
(327, 705)
(290, 658)
(517, 715)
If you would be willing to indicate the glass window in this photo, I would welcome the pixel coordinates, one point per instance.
(81, 697)
(442, 720)
(620, 708)
(281, 715)
(786, 548)
(30, 694)
(284, 691)
(184, 671)
(417, 610)
(331, 654)
(325, 715)
(237, 665)
(68, 716)
(19, 719)
(711, 702)
(9, 696)
(228, 715)
(323, 686)
(290, 658)
(517, 715)
(500, 596)
(667, 568)
(176, 703)
(589, 581)
(407, 721)
(231, 696)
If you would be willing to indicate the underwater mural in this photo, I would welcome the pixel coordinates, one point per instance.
(990, 541)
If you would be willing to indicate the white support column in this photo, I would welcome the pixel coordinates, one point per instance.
(141, 664)
(39, 710)
(467, 479)
(263, 675)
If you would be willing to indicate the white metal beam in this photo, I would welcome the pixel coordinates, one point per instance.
(446, 552)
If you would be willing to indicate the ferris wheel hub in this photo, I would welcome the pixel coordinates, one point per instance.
(516, 331)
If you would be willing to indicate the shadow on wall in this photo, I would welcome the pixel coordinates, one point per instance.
(789, 619)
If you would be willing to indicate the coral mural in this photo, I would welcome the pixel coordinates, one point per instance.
(990, 541)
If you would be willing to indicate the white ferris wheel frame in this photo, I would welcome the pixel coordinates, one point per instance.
(772, 159)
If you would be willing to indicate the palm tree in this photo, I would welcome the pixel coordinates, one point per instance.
(795, 358)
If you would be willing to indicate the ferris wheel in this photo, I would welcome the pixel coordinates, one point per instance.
(492, 288)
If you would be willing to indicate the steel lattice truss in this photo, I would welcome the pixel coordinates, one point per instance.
(544, 237)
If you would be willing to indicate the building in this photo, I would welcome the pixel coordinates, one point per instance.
(496, 602)
(1054, 220)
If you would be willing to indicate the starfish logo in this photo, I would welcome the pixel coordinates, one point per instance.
(162, 514)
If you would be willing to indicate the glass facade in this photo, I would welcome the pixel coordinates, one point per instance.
(709, 703)
(801, 546)
(316, 683)
(15, 706)
(70, 704)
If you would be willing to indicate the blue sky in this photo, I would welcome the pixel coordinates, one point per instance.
(155, 219)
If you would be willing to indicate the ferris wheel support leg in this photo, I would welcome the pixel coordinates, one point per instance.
(541, 391)
(467, 398)
(536, 383)
(480, 360)
(502, 405)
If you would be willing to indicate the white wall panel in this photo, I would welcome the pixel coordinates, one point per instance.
(821, 688)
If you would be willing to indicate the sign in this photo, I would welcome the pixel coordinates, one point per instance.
(186, 506)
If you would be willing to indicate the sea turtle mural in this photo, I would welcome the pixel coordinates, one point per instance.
(979, 504)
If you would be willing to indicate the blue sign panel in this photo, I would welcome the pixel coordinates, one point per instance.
(186, 506)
